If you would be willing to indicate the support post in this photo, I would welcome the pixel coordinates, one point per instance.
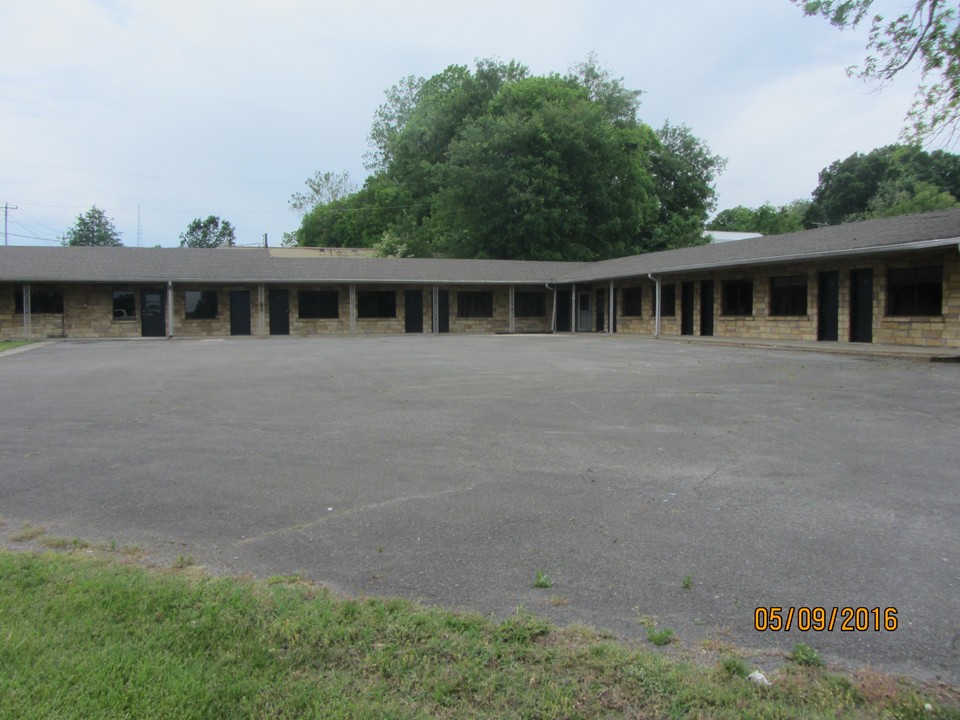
(513, 325)
(574, 303)
(170, 314)
(435, 327)
(27, 318)
(656, 331)
(353, 309)
(261, 311)
(610, 311)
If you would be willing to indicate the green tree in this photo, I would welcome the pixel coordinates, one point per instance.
(210, 233)
(544, 176)
(908, 196)
(926, 35)
(766, 219)
(357, 220)
(94, 228)
(324, 188)
(848, 189)
(684, 171)
(493, 162)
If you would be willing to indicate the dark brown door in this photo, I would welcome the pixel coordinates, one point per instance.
(686, 308)
(152, 321)
(861, 305)
(443, 311)
(564, 298)
(706, 307)
(413, 311)
(279, 311)
(599, 310)
(828, 306)
(239, 312)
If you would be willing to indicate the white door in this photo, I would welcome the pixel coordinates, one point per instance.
(583, 311)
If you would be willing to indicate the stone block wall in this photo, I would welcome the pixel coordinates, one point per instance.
(941, 331)
(87, 313)
(499, 322)
(372, 326)
(319, 326)
(646, 322)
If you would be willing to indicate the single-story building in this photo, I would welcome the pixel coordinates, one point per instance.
(893, 280)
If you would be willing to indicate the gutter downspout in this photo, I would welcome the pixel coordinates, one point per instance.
(656, 332)
(553, 318)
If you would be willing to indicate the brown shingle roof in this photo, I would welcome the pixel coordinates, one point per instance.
(247, 265)
(94, 264)
(883, 235)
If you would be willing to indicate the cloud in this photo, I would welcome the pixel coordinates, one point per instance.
(779, 135)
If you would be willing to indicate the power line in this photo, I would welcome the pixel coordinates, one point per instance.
(37, 221)
(32, 237)
(155, 177)
(6, 215)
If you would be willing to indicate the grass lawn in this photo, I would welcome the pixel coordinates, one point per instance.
(11, 344)
(84, 634)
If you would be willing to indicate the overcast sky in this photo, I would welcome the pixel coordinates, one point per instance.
(225, 107)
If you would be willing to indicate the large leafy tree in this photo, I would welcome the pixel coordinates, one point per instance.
(684, 170)
(925, 35)
(94, 228)
(210, 233)
(883, 182)
(496, 163)
(543, 175)
(766, 219)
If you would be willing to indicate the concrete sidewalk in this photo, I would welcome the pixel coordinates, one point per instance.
(903, 352)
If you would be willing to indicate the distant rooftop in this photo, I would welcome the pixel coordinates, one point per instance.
(722, 236)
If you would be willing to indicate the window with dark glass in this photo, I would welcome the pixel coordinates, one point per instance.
(319, 304)
(529, 303)
(788, 295)
(124, 305)
(376, 304)
(737, 297)
(200, 304)
(915, 291)
(475, 304)
(43, 301)
(668, 300)
(632, 301)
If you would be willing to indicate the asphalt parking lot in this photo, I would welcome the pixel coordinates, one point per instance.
(450, 469)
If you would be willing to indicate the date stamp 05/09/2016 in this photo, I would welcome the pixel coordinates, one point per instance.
(820, 619)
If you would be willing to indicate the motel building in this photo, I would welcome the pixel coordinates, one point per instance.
(889, 281)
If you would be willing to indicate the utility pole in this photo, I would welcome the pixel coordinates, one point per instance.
(265, 240)
(6, 212)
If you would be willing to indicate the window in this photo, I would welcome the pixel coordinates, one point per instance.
(915, 291)
(43, 301)
(532, 303)
(475, 304)
(788, 295)
(668, 298)
(124, 305)
(737, 297)
(376, 304)
(633, 301)
(319, 304)
(200, 304)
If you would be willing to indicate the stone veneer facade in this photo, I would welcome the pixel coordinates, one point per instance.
(88, 308)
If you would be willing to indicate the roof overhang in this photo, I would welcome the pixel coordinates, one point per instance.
(774, 260)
